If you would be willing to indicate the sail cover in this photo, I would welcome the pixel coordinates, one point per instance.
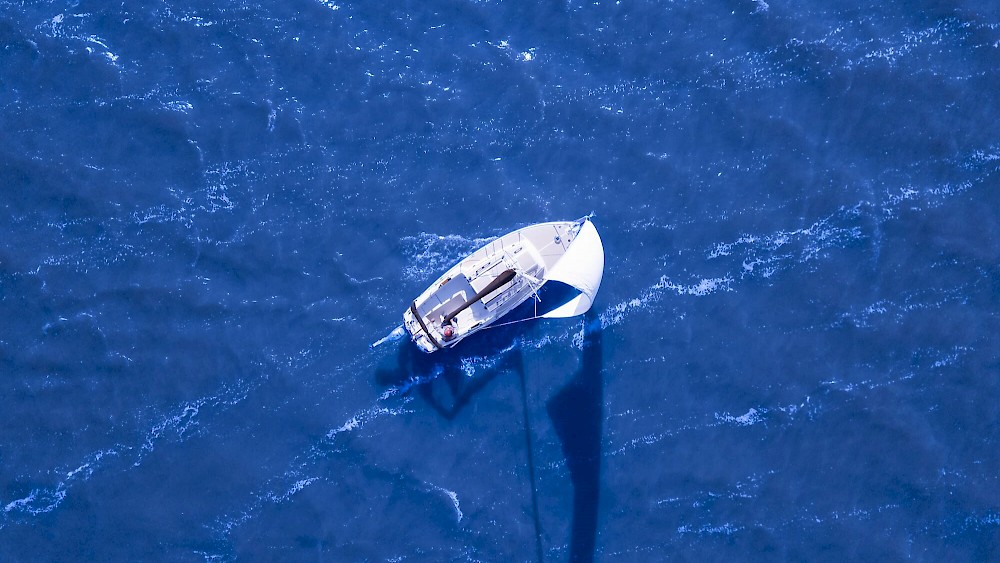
(581, 267)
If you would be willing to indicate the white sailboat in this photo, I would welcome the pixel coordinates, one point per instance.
(494, 280)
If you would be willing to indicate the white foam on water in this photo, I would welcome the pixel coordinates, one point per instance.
(916, 198)
(885, 310)
(651, 438)
(705, 286)
(991, 519)
(90, 464)
(473, 364)
(60, 27)
(179, 106)
(754, 415)
(579, 337)
(38, 501)
(783, 248)
(952, 358)
(745, 489)
(849, 46)
(355, 422)
(184, 423)
(932, 360)
(751, 417)
(906, 42)
(708, 530)
(452, 496)
(295, 488)
(983, 156)
(180, 425)
(411, 382)
(281, 488)
(46, 499)
(856, 513)
(365, 416)
(525, 56)
(431, 255)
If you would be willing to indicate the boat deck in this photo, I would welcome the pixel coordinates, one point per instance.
(529, 252)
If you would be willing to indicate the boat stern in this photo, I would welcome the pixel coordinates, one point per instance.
(419, 332)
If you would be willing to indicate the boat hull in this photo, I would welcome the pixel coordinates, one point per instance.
(462, 300)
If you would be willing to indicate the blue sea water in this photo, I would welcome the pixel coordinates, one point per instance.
(210, 211)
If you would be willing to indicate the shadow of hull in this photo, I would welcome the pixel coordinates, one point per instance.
(442, 378)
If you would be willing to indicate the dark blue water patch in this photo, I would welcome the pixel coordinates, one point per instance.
(212, 211)
(576, 412)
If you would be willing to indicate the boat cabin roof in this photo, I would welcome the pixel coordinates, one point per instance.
(451, 295)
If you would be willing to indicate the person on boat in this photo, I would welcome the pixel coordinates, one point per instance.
(448, 332)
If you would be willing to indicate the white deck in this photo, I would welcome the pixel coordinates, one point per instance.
(530, 252)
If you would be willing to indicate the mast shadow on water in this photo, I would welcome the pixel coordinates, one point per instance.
(500, 350)
(577, 413)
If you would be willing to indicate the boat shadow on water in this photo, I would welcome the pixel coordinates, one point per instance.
(576, 411)
(441, 379)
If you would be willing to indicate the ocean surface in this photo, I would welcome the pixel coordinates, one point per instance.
(211, 210)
